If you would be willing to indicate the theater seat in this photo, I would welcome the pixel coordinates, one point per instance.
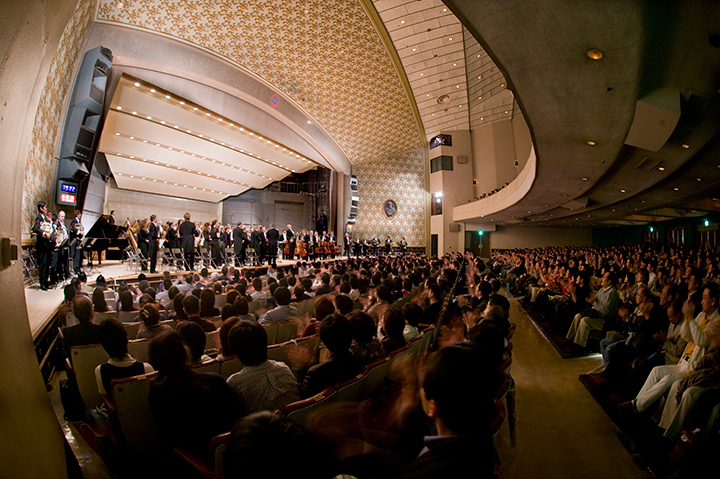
(300, 410)
(287, 330)
(210, 466)
(376, 371)
(210, 340)
(220, 300)
(134, 417)
(127, 316)
(230, 366)
(208, 367)
(140, 349)
(352, 389)
(132, 329)
(84, 361)
(271, 330)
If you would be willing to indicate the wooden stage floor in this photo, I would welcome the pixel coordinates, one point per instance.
(42, 305)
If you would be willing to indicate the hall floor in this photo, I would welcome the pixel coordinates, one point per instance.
(561, 431)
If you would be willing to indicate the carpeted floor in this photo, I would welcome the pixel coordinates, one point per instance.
(567, 349)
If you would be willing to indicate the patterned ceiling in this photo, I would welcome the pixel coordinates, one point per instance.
(326, 55)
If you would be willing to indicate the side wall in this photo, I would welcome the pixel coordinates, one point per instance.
(399, 177)
(508, 237)
(40, 43)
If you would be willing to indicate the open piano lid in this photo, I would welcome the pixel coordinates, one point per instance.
(103, 229)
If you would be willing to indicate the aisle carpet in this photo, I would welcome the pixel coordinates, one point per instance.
(567, 349)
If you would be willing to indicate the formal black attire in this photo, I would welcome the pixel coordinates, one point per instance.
(347, 246)
(171, 237)
(76, 234)
(43, 248)
(188, 232)
(80, 335)
(239, 240)
(224, 243)
(154, 232)
(61, 255)
(272, 236)
(144, 245)
(388, 246)
(290, 237)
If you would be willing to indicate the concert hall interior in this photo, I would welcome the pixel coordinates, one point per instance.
(417, 134)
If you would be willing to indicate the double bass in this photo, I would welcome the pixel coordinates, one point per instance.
(300, 250)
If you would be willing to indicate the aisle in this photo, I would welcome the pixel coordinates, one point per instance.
(561, 431)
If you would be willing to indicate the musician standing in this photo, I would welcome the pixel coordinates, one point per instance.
(62, 265)
(44, 237)
(290, 237)
(188, 232)
(76, 233)
(143, 240)
(346, 245)
(154, 231)
(272, 237)
(403, 246)
(239, 243)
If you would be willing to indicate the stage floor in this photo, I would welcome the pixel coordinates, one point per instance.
(42, 305)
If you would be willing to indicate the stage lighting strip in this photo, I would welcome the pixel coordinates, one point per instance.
(204, 113)
(202, 137)
(186, 153)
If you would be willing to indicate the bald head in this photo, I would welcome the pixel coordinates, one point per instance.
(82, 309)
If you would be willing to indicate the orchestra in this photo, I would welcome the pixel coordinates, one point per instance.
(57, 244)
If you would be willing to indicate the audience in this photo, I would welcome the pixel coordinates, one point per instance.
(150, 316)
(191, 305)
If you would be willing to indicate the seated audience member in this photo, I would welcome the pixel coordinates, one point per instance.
(336, 334)
(191, 305)
(85, 332)
(343, 304)
(65, 307)
(662, 378)
(189, 408)
(461, 411)
(194, 340)
(180, 313)
(164, 295)
(256, 440)
(322, 308)
(224, 335)
(243, 309)
(324, 287)
(284, 309)
(412, 314)
(299, 294)
(489, 342)
(207, 304)
(120, 364)
(366, 347)
(101, 282)
(150, 316)
(262, 384)
(126, 302)
(434, 304)
(232, 295)
(257, 292)
(604, 303)
(393, 324)
(99, 303)
(228, 311)
(383, 296)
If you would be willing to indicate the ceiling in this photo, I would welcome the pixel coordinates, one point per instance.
(580, 110)
(158, 142)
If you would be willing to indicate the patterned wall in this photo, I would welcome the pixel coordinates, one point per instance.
(399, 177)
(41, 168)
(324, 54)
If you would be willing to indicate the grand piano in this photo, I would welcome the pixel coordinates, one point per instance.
(103, 235)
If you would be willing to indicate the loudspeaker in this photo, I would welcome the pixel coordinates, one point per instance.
(354, 196)
(656, 116)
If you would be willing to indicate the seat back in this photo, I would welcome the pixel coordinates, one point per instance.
(170, 322)
(84, 361)
(140, 349)
(271, 330)
(300, 410)
(134, 416)
(210, 340)
(112, 304)
(230, 367)
(109, 294)
(100, 317)
(132, 329)
(220, 300)
(416, 344)
(256, 304)
(287, 330)
(208, 367)
(426, 338)
(376, 372)
(352, 389)
(302, 307)
(127, 316)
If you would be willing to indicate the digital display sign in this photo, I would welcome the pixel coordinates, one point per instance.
(67, 193)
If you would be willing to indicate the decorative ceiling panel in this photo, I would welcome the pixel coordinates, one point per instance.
(323, 54)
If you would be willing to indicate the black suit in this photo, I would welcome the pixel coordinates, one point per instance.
(44, 248)
(75, 248)
(239, 244)
(153, 245)
(188, 232)
(290, 237)
(272, 236)
(79, 335)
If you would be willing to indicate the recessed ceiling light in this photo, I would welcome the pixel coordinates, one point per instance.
(231, 124)
(444, 9)
(132, 176)
(699, 179)
(189, 131)
(119, 174)
(163, 122)
(137, 84)
(119, 108)
(478, 55)
(402, 22)
(676, 189)
(195, 108)
(450, 39)
(176, 126)
(585, 178)
(134, 113)
(595, 54)
(207, 114)
(168, 97)
(661, 168)
(459, 106)
(622, 191)
(157, 144)
(686, 146)
(132, 137)
(502, 84)
(457, 86)
(117, 134)
(149, 118)
(421, 74)
(182, 102)
(482, 118)
(454, 64)
(591, 143)
(132, 158)
(414, 49)
(143, 178)
(152, 90)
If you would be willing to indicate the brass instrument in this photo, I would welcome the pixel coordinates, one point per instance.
(60, 235)
(47, 228)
